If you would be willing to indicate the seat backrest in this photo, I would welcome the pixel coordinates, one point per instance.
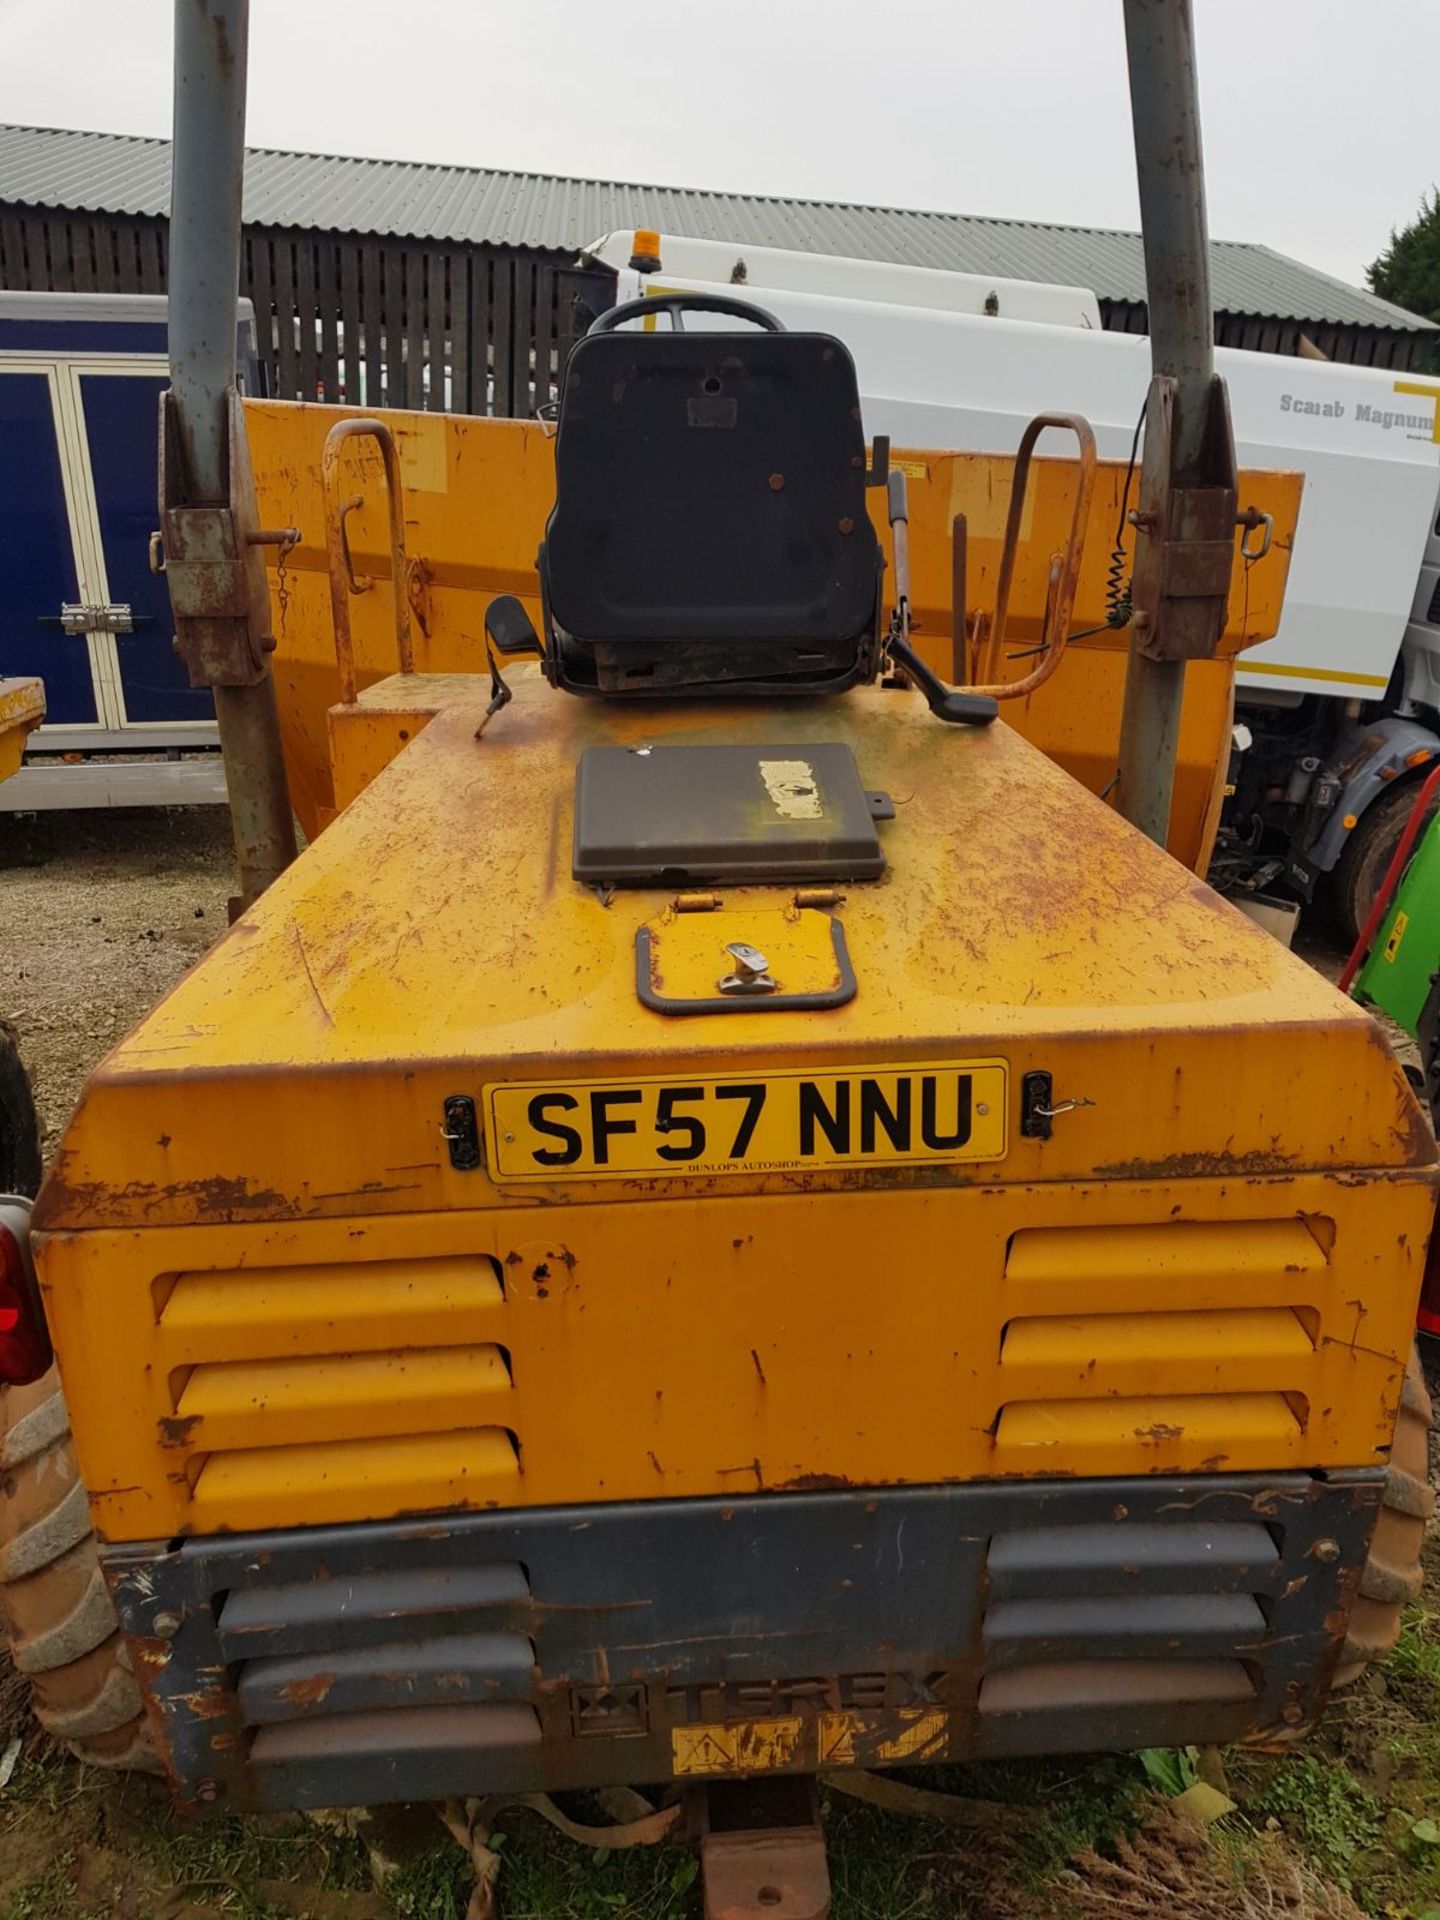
(711, 486)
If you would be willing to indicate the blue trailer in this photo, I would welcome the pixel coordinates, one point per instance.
(80, 375)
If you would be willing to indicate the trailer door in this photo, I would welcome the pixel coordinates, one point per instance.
(39, 562)
(118, 410)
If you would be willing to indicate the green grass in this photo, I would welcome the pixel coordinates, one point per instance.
(46, 1898)
(882, 1866)
(1416, 1656)
(226, 1855)
(123, 1832)
(1323, 1806)
(433, 1886)
(1358, 1801)
(57, 1821)
(543, 1877)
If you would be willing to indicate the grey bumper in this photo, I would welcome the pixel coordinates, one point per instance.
(522, 1651)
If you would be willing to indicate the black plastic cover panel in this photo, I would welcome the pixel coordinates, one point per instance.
(647, 816)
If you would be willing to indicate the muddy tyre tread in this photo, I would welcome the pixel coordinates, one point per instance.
(1392, 1575)
(19, 1129)
(55, 1608)
(1368, 850)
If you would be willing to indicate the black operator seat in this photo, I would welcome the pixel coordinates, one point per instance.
(709, 531)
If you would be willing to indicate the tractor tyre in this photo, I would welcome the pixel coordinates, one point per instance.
(55, 1608)
(1368, 851)
(1393, 1574)
(19, 1133)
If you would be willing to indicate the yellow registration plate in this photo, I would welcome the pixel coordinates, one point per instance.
(748, 1123)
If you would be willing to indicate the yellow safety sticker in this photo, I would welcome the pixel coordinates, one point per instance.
(836, 1744)
(736, 1746)
(923, 1739)
(944, 1110)
(843, 1739)
(1397, 934)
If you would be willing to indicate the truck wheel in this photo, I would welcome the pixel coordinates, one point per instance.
(19, 1133)
(1393, 1574)
(54, 1605)
(1368, 851)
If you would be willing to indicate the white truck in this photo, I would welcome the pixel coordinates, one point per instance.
(1338, 715)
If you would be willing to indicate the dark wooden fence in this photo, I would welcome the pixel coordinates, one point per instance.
(44, 251)
(349, 317)
(1359, 346)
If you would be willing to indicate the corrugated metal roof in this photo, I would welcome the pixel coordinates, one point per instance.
(117, 173)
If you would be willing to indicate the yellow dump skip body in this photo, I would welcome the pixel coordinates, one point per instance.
(477, 492)
(623, 1467)
(22, 708)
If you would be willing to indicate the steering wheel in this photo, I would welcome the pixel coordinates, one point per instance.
(677, 304)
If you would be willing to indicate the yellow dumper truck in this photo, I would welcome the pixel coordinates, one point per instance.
(726, 1218)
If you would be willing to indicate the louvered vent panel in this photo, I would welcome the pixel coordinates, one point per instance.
(367, 1387)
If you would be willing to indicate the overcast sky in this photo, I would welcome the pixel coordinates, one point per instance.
(1320, 129)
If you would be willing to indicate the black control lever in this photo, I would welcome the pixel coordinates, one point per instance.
(953, 704)
(510, 629)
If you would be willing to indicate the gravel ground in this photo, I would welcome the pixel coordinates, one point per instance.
(100, 914)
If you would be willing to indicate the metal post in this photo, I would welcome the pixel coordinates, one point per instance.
(208, 159)
(1165, 110)
(1149, 743)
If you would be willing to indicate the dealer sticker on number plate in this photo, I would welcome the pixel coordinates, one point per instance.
(748, 1123)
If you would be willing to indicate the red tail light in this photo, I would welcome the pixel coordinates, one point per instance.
(24, 1337)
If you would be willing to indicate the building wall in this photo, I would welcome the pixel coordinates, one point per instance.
(411, 323)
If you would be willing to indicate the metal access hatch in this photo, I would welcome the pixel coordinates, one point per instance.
(656, 815)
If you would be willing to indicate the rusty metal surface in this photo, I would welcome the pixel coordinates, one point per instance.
(765, 1875)
(215, 573)
(1188, 480)
(1060, 603)
(220, 598)
(1186, 528)
(407, 584)
(900, 1627)
(333, 1371)
(988, 904)
(375, 984)
(499, 477)
(212, 563)
(260, 817)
